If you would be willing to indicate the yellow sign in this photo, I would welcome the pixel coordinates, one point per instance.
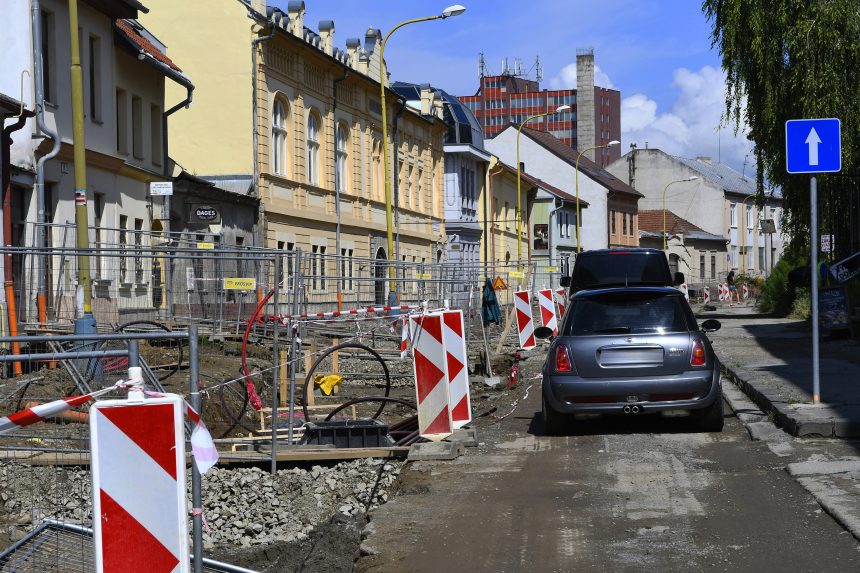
(236, 283)
(499, 284)
(515, 274)
(422, 276)
(205, 245)
(552, 269)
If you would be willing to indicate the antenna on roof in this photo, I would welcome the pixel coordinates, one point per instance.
(482, 65)
(538, 70)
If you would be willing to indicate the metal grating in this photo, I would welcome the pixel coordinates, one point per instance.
(59, 547)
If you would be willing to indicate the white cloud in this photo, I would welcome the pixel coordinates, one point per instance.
(566, 78)
(690, 127)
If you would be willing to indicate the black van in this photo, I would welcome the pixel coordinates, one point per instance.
(620, 267)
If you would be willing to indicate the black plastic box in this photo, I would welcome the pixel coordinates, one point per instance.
(347, 434)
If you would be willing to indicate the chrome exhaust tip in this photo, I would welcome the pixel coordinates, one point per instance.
(627, 409)
(634, 409)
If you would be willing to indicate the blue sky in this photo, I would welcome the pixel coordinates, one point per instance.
(656, 52)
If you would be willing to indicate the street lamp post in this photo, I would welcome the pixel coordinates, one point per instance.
(454, 10)
(559, 109)
(581, 153)
(693, 178)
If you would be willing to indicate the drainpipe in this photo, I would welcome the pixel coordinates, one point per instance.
(487, 190)
(401, 107)
(8, 275)
(41, 229)
(255, 136)
(493, 207)
(186, 103)
(337, 185)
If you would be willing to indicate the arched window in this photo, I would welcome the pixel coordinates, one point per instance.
(342, 172)
(279, 138)
(313, 138)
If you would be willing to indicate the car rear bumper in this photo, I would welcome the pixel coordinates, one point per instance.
(687, 391)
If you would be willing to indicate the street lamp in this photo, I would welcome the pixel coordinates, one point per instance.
(693, 178)
(587, 149)
(559, 109)
(454, 10)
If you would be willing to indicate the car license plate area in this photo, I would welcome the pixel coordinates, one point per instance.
(630, 357)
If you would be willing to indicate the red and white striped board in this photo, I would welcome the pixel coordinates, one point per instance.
(453, 335)
(683, 288)
(746, 292)
(138, 471)
(430, 364)
(722, 292)
(560, 300)
(707, 295)
(547, 310)
(525, 326)
(404, 338)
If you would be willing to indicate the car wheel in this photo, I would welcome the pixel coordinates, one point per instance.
(710, 419)
(553, 421)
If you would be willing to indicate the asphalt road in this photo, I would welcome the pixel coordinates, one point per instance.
(623, 494)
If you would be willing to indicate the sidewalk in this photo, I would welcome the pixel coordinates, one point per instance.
(770, 359)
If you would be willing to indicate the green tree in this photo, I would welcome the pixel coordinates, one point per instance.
(789, 59)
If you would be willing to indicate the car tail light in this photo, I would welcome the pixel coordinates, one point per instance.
(698, 358)
(562, 359)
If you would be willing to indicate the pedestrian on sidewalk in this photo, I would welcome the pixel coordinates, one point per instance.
(730, 278)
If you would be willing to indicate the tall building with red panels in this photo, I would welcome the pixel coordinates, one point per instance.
(595, 120)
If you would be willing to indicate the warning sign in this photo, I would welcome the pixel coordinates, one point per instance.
(240, 284)
(499, 284)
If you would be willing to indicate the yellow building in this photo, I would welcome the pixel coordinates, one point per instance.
(499, 239)
(310, 128)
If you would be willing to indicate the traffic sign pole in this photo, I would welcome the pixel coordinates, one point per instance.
(813, 247)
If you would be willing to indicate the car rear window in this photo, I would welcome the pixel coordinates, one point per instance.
(620, 268)
(628, 313)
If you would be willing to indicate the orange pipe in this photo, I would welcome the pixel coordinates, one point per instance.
(13, 324)
(68, 416)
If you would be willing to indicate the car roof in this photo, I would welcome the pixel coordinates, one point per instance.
(620, 250)
(631, 290)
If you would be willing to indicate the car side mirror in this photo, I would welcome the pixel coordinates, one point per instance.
(565, 281)
(711, 325)
(679, 279)
(543, 332)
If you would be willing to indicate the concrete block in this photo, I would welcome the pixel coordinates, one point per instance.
(823, 428)
(846, 428)
(466, 436)
(430, 451)
(823, 468)
(766, 431)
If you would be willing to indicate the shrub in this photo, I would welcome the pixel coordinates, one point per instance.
(801, 307)
(777, 296)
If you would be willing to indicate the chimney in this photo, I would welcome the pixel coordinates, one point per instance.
(372, 39)
(327, 36)
(296, 10)
(352, 46)
(585, 113)
(704, 159)
(426, 99)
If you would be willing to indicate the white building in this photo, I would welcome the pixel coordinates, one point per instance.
(720, 202)
(551, 160)
(124, 71)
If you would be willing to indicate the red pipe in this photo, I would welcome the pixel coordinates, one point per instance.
(8, 278)
(250, 388)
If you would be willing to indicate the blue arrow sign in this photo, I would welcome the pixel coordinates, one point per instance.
(813, 145)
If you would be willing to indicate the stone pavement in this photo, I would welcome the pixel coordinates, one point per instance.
(768, 364)
(770, 360)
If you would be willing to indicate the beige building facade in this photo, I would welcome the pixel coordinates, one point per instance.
(309, 133)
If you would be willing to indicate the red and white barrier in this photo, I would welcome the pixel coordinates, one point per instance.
(336, 313)
(138, 471)
(746, 292)
(404, 338)
(525, 326)
(707, 295)
(722, 292)
(431, 376)
(683, 288)
(453, 336)
(547, 310)
(560, 300)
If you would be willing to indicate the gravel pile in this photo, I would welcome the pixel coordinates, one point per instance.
(244, 507)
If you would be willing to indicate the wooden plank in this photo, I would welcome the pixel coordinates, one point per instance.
(283, 377)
